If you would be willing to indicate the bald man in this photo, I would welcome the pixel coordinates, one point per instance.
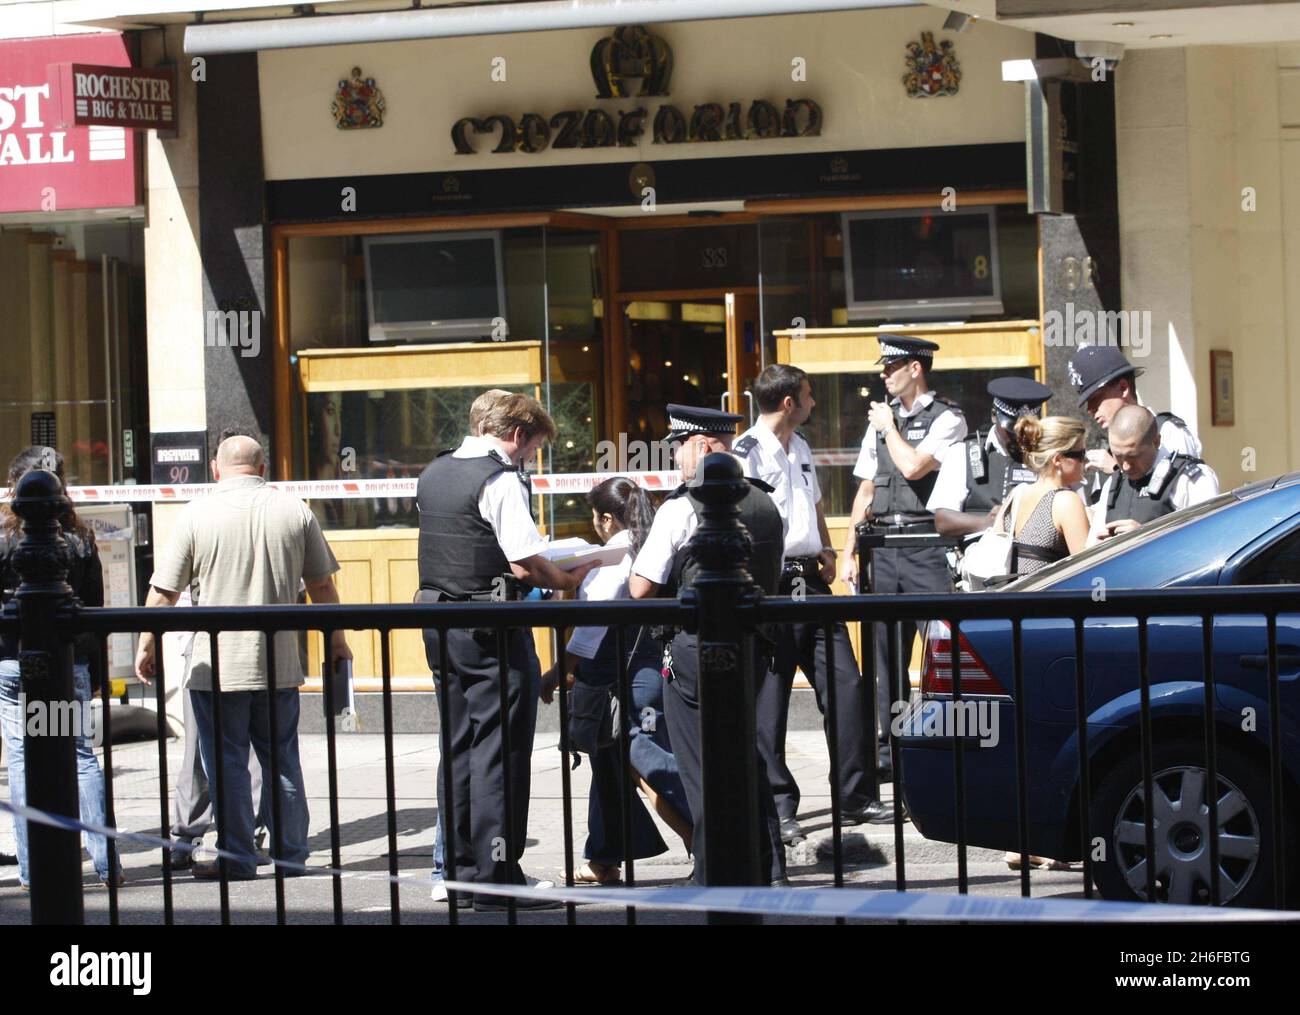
(246, 544)
(1150, 481)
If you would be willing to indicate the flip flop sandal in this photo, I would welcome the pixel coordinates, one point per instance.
(586, 875)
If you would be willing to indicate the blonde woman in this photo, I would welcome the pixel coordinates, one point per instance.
(1049, 520)
(1045, 525)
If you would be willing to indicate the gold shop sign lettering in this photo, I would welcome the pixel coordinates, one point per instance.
(634, 63)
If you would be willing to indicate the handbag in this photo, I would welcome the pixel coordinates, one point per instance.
(595, 712)
(990, 555)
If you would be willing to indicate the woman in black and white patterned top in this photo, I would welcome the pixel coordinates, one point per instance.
(1047, 526)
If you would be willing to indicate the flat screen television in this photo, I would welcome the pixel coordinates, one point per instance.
(921, 265)
(439, 286)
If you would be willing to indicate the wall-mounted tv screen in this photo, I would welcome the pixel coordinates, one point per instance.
(921, 265)
(439, 286)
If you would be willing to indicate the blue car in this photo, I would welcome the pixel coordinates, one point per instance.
(1250, 536)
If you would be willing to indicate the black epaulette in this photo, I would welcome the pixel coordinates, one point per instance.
(1168, 417)
(681, 491)
(950, 404)
(744, 446)
(761, 485)
(449, 451)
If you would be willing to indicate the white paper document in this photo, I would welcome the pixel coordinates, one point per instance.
(566, 554)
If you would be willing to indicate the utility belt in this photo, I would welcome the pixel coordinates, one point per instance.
(509, 589)
(800, 566)
(901, 522)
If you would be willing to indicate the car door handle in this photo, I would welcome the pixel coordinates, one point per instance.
(1285, 660)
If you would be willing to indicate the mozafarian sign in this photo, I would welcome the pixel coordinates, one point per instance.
(136, 98)
(634, 63)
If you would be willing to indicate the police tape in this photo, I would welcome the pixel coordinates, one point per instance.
(352, 489)
(855, 903)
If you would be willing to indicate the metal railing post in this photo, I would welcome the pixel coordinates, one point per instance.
(729, 747)
(43, 601)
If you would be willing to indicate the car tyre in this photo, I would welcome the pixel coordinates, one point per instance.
(1182, 828)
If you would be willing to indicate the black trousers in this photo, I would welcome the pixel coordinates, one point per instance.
(470, 691)
(804, 646)
(682, 711)
(893, 571)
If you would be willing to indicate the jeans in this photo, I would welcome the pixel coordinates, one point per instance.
(90, 778)
(245, 721)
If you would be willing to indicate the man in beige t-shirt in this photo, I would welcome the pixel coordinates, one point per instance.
(246, 544)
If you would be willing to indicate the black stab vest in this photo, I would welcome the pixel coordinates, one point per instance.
(893, 493)
(759, 514)
(1126, 499)
(990, 475)
(459, 552)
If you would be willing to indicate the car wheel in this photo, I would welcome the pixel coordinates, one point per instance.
(1182, 828)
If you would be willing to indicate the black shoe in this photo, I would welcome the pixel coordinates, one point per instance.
(499, 904)
(8, 860)
(791, 832)
(884, 774)
(183, 859)
(872, 813)
(464, 900)
(780, 883)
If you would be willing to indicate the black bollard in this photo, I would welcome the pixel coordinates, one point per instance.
(43, 602)
(722, 548)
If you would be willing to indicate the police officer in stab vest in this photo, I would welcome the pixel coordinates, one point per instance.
(976, 477)
(666, 561)
(774, 451)
(1151, 481)
(479, 543)
(906, 442)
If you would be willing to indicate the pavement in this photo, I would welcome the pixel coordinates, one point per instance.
(362, 826)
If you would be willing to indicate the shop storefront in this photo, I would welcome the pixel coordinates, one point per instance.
(618, 221)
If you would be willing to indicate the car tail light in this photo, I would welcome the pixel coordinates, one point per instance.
(936, 665)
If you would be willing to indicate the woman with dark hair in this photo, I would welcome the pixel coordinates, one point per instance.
(621, 514)
(87, 580)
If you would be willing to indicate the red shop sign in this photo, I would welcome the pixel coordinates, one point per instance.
(137, 98)
(51, 168)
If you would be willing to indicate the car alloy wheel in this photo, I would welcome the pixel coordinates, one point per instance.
(1182, 832)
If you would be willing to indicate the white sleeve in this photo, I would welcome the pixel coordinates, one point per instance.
(504, 505)
(601, 585)
(1195, 486)
(866, 466)
(1180, 439)
(1098, 526)
(667, 533)
(950, 488)
(949, 428)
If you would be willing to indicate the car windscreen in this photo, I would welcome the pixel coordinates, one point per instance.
(1116, 545)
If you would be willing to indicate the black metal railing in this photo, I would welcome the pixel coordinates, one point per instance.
(725, 614)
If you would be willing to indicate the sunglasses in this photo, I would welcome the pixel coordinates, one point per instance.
(1078, 456)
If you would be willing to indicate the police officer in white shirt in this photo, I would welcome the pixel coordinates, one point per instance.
(479, 543)
(1106, 382)
(666, 561)
(774, 451)
(906, 442)
(1151, 481)
(976, 477)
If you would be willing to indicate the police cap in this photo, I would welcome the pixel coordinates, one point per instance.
(685, 420)
(1094, 366)
(895, 347)
(1014, 397)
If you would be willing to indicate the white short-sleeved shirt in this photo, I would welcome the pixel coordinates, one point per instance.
(1193, 485)
(793, 479)
(503, 503)
(602, 584)
(951, 489)
(948, 428)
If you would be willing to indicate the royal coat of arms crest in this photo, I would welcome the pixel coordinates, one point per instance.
(932, 69)
(358, 102)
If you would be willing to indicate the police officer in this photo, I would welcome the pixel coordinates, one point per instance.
(775, 452)
(1106, 382)
(664, 561)
(905, 444)
(479, 543)
(1151, 481)
(975, 479)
